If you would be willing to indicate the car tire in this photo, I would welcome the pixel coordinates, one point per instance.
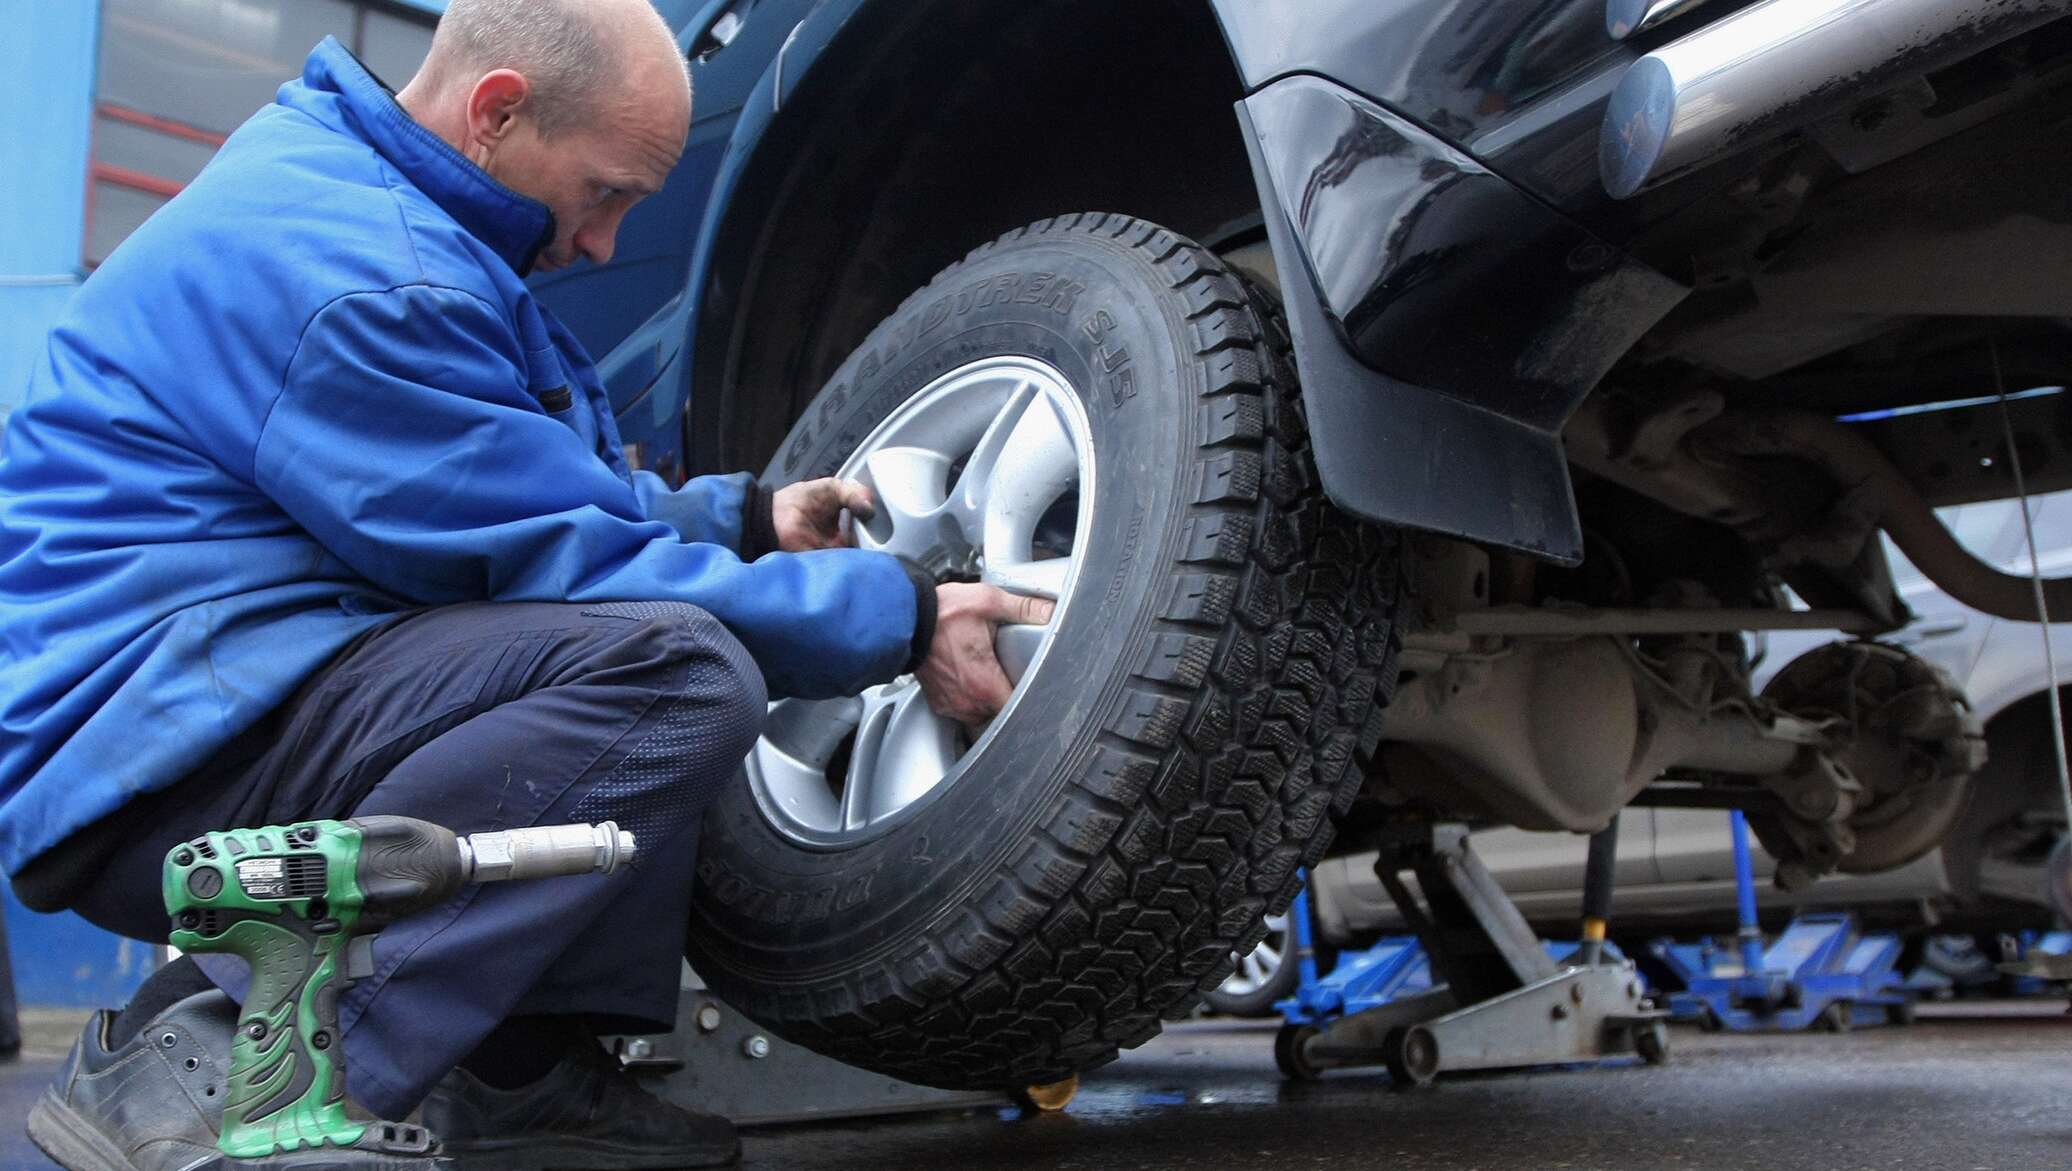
(1164, 773)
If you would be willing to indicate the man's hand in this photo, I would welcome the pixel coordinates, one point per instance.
(961, 677)
(808, 515)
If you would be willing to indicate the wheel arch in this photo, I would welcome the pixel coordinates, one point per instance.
(2019, 778)
(890, 135)
(831, 206)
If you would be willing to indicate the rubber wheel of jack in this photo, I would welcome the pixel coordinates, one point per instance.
(1170, 763)
(1651, 1042)
(1049, 1099)
(1835, 1018)
(1900, 1014)
(1287, 1053)
(1411, 1054)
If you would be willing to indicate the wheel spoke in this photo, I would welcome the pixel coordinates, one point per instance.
(809, 730)
(1036, 465)
(1016, 645)
(867, 757)
(1044, 578)
(1269, 960)
(968, 497)
(908, 483)
(919, 750)
(799, 738)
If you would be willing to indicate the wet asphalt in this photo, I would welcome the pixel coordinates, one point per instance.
(1971, 1086)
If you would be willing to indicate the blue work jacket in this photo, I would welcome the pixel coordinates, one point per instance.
(308, 394)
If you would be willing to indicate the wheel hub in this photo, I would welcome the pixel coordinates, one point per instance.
(985, 474)
(1912, 745)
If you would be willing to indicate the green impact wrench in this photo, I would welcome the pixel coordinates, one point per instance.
(291, 900)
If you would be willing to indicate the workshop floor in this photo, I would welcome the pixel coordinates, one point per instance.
(1977, 1086)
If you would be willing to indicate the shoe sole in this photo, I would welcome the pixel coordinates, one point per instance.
(581, 1155)
(77, 1145)
(71, 1141)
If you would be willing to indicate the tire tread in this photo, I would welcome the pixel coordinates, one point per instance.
(1211, 782)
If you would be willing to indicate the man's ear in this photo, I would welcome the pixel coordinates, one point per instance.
(494, 106)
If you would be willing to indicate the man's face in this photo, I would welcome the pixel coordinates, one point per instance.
(591, 176)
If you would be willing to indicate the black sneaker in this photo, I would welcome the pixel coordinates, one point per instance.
(155, 1103)
(585, 1114)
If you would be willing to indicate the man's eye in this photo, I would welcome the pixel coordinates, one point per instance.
(603, 194)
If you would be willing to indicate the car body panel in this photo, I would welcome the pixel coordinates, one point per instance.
(1521, 85)
(1444, 413)
(1469, 70)
(1442, 274)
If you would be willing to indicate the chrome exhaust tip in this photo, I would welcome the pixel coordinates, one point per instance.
(1779, 66)
(1623, 18)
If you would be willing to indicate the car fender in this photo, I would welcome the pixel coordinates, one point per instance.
(662, 353)
(1446, 321)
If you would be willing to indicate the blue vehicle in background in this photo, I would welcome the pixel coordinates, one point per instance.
(1310, 355)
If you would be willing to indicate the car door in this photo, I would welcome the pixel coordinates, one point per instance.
(1543, 872)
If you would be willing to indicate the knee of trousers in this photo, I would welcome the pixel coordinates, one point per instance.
(723, 682)
(703, 727)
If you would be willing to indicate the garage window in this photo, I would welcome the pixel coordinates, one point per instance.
(177, 76)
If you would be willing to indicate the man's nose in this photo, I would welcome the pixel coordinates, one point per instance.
(598, 244)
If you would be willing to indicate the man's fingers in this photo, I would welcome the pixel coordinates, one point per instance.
(989, 686)
(1021, 609)
(857, 499)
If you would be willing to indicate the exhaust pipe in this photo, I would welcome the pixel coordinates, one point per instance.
(1699, 460)
(1781, 65)
(1624, 18)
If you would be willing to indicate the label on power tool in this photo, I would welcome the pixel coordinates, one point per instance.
(263, 878)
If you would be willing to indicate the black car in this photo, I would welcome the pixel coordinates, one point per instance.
(1509, 356)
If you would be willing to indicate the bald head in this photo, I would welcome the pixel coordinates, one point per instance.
(581, 105)
(580, 56)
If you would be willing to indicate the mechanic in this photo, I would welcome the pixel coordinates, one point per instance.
(313, 511)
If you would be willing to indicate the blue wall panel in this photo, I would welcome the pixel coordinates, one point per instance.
(46, 112)
(62, 961)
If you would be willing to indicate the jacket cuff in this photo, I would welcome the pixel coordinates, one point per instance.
(924, 613)
(758, 522)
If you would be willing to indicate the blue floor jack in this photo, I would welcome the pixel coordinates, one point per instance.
(1393, 968)
(1820, 971)
(1475, 989)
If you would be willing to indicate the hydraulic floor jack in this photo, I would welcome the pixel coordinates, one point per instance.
(1821, 970)
(1504, 1003)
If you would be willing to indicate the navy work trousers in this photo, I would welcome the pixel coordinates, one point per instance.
(488, 716)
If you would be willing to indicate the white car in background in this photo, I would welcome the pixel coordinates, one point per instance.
(1676, 866)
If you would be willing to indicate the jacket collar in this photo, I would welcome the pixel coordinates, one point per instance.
(515, 227)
